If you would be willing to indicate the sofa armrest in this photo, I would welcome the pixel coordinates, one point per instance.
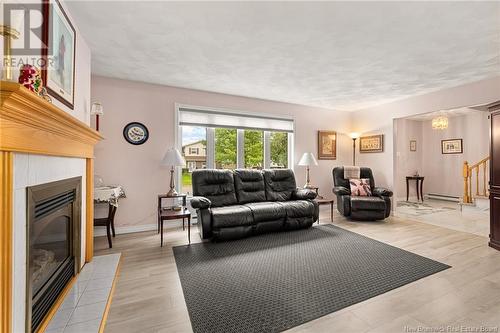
(381, 192)
(200, 202)
(341, 190)
(304, 194)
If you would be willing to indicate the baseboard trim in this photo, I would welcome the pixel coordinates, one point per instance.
(101, 231)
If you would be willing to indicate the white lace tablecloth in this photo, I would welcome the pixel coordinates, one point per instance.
(109, 194)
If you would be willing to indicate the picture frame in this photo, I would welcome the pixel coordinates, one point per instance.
(327, 145)
(413, 145)
(58, 53)
(371, 144)
(452, 146)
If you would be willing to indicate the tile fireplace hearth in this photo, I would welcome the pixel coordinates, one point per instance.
(53, 244)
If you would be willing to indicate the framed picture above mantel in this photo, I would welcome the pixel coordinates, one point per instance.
(371, 144)
(59, 36)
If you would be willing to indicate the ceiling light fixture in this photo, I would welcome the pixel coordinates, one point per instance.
(440, 123)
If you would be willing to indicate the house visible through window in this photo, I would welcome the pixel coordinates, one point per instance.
(220, 140)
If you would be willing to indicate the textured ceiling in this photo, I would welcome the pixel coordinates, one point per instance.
(338, 55)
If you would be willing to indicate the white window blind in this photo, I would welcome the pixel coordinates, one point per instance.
(211, 118)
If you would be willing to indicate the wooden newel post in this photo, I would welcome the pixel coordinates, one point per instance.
(467, 198)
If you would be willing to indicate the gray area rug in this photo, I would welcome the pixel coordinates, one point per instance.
(274, 282)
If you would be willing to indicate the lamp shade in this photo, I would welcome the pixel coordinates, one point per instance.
(308, 159)
(96, 109)
(354, 135)
(173, 158)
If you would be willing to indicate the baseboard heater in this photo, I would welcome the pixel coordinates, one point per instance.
(442, 197)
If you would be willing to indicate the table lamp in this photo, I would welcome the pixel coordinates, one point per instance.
(173, 158)
(308, 159)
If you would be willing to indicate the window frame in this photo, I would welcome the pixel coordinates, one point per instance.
(240, 140)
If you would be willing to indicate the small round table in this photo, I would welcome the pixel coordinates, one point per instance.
(417, 179)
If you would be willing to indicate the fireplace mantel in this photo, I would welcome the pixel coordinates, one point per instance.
(29, 124)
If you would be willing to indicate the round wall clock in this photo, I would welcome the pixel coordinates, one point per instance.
(135, 133)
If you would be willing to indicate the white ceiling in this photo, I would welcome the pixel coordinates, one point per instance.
(338, 55)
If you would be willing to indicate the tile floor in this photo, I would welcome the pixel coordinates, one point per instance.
(84, 305)
(474, 220)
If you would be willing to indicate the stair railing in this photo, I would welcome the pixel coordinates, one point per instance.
(468, 172)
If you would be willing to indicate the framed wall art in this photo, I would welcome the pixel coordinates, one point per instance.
(371, 144)
(327, 145)
(452, 146)
(413, 145)
(59, 37)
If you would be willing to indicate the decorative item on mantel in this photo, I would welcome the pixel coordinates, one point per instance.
(96, 110)
(10, 30)
(30, 78)
(308, 159)
(173, 158)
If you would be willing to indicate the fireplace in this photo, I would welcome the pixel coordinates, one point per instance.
(53, 244)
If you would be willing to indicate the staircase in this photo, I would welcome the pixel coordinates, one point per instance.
(475, 178)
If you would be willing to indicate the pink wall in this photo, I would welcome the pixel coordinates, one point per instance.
(408, 161)
(138, 168)
(379, 120)
(443, 173)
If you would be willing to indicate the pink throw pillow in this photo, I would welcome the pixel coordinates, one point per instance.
(360, 187)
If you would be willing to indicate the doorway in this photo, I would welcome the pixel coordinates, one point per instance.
(447, 151)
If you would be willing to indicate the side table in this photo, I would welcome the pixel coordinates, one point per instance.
(323, 201)
(417, 179)
(326, 202)
(170, 213)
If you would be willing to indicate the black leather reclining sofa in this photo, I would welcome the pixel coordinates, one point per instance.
(240, 203)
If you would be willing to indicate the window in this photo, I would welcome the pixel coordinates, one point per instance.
(212, 138)
(254, 149)
(191, 136)
(278, 150)
(225, 148)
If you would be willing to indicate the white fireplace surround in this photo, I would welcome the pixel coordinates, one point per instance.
(30, 170)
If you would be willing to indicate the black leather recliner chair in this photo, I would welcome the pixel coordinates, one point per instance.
(239, 203)
(375, 207)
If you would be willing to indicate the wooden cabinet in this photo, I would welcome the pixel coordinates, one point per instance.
(495, 175)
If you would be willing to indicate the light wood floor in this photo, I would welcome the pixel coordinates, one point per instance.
(148, 296)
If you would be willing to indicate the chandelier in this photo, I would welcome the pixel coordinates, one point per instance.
(440, 123)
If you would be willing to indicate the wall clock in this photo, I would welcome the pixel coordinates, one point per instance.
(135, 133)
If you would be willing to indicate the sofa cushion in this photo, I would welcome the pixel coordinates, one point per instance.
(249, 186)
(231, 216)
(367, 203)
(298, 208)
(216, 185)
(360, 187)
(267, 211)
(280, 184)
